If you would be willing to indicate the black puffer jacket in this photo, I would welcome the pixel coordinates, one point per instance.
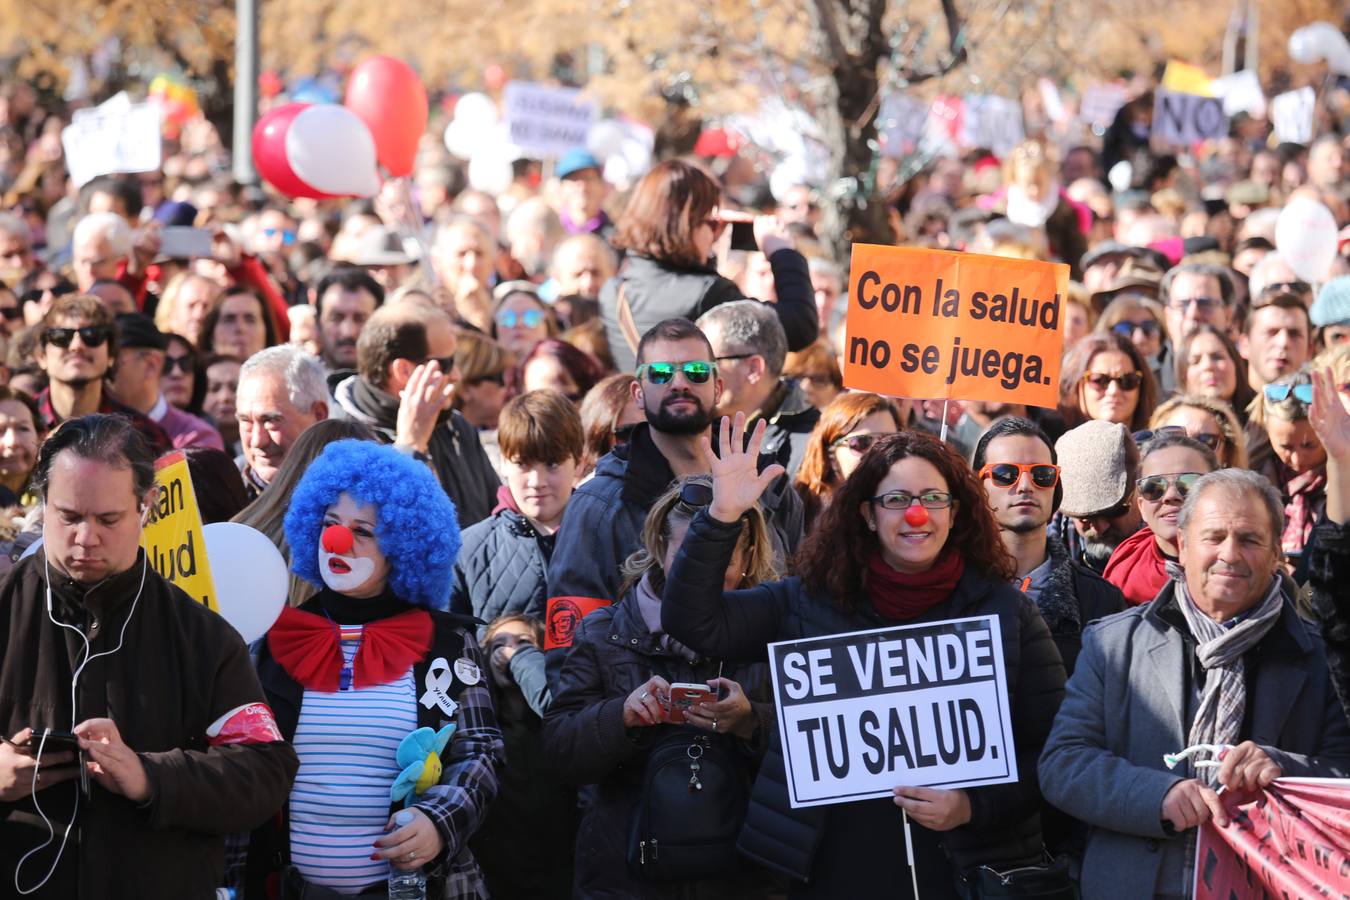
(585, 741)
(1328, 574)
(501, 568)
(853, 848)
(656, 291)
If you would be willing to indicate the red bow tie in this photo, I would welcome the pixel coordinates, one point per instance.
(307, 647)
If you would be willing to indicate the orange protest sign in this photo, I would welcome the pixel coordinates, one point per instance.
(959, 326)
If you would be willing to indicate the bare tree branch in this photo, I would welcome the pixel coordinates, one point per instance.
(956, 48)
(823, 13)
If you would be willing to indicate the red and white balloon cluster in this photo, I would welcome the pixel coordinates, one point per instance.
(324, 150)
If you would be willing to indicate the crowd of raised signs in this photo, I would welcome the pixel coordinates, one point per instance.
(557, 360)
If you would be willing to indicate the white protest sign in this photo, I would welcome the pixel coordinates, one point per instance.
(1241, 93)
(102, 142)
(1292, 113)
(1101, 102)
(1187, 118)
(901, 124)
(916, 705)
(547, 121)
(992, 122)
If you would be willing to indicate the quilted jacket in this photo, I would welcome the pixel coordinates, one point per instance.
(501, 568)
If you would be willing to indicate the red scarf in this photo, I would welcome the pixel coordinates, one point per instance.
(306, 645)
(1137, 567)
(899, 596)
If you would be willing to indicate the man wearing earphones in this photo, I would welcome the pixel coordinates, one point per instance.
(179, 747)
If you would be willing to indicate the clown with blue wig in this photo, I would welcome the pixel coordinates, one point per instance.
(380, 690)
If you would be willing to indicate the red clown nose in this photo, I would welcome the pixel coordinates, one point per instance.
(338, 539)
(915, 516)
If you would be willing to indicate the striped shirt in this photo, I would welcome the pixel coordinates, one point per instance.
(340, 804)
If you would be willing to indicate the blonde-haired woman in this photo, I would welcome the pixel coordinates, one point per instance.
(1208, 420)
(611, 719)
(184, 305)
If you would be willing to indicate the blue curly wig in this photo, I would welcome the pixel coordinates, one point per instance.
(416, 524)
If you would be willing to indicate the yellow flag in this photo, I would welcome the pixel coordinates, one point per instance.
(1185, 78)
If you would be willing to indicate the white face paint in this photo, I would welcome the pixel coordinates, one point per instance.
(344, 573)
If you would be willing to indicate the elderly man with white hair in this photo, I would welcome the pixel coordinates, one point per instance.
(281, 393)
(102, 243)
(1219, 660)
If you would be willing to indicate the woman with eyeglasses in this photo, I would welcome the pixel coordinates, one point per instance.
(668, 231)
(847, 429)
(1208, 363)
(1143, 323)
(817, 369)
(909, 538)
(1297, 464)
(617, 713)
(183, 379)
(486, 378)
(1170, 463)
(1105, 377)
(1205, 419)
(520, 320)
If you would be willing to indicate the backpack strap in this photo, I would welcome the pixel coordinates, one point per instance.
(626, 324)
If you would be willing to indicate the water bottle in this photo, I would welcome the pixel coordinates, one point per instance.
(406, 885)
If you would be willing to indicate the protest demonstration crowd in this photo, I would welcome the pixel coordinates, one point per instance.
(596, 533)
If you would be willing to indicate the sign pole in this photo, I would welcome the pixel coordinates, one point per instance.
(943, 436)
(909, 853)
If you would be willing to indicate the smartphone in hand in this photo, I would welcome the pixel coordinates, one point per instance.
(683, 696)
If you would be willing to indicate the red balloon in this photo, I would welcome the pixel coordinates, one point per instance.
(916, 516)
(269, 152)
(388, 96)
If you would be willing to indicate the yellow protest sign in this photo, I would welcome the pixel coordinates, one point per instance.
(173, 538)
(961, 326)
(1184, 78)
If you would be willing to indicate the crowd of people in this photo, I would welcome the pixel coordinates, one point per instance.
(556, 451)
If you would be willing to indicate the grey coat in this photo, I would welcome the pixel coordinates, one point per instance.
(1131, 699)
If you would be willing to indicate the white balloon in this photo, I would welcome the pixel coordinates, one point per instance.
(462, 138)
(606, 138)
(490, 170)
(1321, 41)
(476, 109)
(1305, 235)
(331, 150)
(250, 576)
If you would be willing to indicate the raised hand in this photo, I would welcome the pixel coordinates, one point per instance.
(737, 481)
(1328, 416)
(427, 393)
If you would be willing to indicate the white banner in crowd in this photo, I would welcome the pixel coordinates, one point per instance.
(1241, 93)
(1187, 118)
(546, 121)
(1100, 103)
(916, 706)
(1292, 114)
(116, 137)
(993, 122)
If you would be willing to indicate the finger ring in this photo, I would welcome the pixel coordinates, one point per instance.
(714, 724)
(412, 856)
(644, 696)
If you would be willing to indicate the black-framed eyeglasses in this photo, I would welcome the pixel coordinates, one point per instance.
(1278, 393)
(696, 371)
(696, 494)
(91, 335)
(904, 500)
(1285, 287)
(1100, 381)
(1007, 474)
(177, 363)
(1204, 304)
(34, 295)
(1212, 441)
(858, 443)
(734, 356)
(1154, 487)
(1127, 329)
(445, 362)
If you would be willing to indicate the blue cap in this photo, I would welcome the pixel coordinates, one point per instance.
(574, 161)
(1332, 306)
(175, 212)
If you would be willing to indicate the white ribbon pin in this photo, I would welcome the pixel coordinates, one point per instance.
(438, 681)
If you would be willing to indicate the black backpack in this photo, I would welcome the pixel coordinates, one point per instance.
(695, 791)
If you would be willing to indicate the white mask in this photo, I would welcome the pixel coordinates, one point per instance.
(344, 573)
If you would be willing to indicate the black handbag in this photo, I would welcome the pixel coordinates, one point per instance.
(695, 792)
(1047, 880)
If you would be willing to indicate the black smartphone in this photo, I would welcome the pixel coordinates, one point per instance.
(743, 236)
(54, 741)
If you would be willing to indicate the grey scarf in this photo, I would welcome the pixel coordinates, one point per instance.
(649, 605)
(1221, 652)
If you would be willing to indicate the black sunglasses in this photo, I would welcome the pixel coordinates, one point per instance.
(91, 335)
(11, 312)
(1212, 441)
(1126, 329)
(1130, 381)
(696, 494)
(177, 364)
(446, 363)
(34, 295)
(858, 443)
